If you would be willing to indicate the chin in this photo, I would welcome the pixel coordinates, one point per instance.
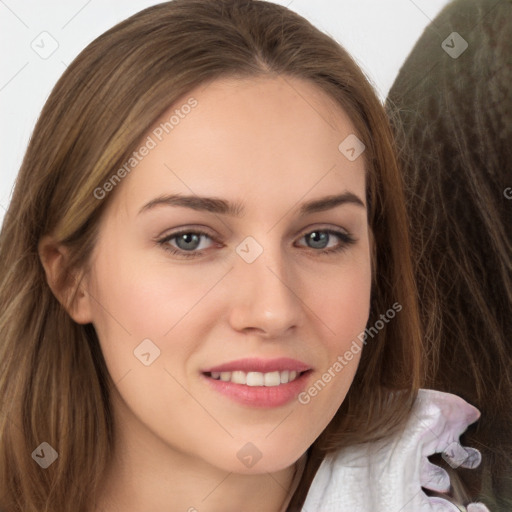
(251, 458)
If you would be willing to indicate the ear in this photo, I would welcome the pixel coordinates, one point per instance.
(66, 286)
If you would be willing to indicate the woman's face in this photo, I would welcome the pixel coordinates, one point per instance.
(184, 321)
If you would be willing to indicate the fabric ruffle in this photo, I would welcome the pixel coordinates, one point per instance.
(391, 475)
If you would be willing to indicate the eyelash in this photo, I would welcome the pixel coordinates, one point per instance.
(346, 241)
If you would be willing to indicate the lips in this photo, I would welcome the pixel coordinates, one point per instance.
(259, 382)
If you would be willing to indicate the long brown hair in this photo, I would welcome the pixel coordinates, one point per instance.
(54, 382)
(452, 115)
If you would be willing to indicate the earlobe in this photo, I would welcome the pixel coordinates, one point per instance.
(66, 285)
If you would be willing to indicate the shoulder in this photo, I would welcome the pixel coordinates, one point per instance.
(390, 474)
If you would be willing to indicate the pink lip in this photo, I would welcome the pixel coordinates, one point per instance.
(261, 365)
(260, 396)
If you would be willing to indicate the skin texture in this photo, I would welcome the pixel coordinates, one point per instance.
(270, 144)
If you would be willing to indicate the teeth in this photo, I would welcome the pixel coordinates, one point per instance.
(239, 378)
(255, 379)
(269, 379)
(272, 379)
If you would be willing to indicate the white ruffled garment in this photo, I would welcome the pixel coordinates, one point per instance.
(389, 475)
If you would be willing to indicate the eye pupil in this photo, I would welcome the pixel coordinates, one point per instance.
(318, 237)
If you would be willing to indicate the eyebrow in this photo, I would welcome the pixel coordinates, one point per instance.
(221, 206)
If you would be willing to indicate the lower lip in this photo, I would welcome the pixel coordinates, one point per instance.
(260, 396)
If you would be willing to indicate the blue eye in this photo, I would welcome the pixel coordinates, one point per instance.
(186, 242)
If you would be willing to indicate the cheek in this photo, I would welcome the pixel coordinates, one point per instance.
(134, 301)
(143, 299)
(342, 303)
(343, 308)
(348, 303)
(344, 311)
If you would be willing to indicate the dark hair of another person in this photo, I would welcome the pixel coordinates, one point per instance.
(452, 115)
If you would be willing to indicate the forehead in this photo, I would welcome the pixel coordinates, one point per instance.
(262, 105)
(268, 139)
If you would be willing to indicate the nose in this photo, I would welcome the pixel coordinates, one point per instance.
(267, 297)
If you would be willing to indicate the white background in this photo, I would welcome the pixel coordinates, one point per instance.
(378, 33)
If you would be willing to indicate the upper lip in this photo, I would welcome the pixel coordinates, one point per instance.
(260, 365)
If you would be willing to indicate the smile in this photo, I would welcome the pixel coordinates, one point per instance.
(256, 382)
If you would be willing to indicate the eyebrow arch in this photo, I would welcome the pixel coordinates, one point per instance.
(220, 206)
